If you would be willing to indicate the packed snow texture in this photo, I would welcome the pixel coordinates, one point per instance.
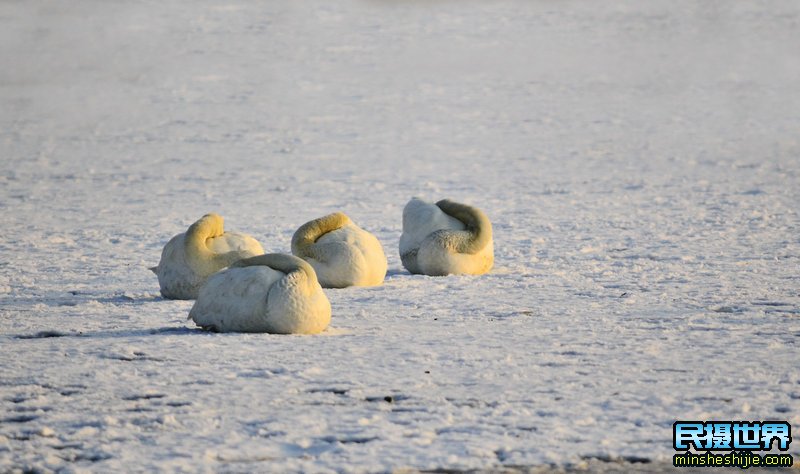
(640, 163)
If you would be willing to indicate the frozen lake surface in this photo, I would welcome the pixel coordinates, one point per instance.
(640, 162)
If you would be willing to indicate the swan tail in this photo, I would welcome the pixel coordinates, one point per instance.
(295, 268)
(308, 233)
(153, 269)
(476, 222)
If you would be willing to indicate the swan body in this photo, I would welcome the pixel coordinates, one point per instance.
(190, 258)
(341, 253)
(445, 238)
(275, 293)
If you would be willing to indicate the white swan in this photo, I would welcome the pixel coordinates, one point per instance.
(276, 293)
(445, 238)
(342, 253)
(190, 258)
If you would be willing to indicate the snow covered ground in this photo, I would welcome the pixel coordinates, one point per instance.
(640, 162)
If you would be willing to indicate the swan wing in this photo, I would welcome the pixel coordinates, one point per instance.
(235, 299)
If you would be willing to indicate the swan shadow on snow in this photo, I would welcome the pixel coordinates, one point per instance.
(397, 271)
(123, 333)
(76, 298)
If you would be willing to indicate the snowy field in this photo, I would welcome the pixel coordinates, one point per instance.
(640, 162)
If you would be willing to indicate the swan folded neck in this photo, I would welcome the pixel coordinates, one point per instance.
(477, 225)
(288, 264)
(305, 237)
(198, 255)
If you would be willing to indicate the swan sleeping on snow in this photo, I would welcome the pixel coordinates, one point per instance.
(342, 253)
(445, 238)
(190, 258)
(276, 293)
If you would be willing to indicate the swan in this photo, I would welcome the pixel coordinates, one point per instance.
(190, 258)
(342, 253)
(275, 293)
(445, 238)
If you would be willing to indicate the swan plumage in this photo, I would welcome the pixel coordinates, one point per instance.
(445, 238)
(191, 257)
(274, 293)
(341, 253)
